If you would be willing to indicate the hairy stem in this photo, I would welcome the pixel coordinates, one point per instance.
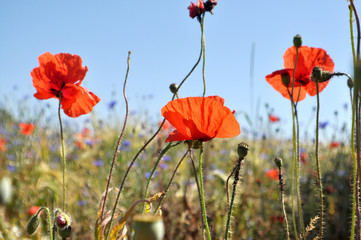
(62, 153)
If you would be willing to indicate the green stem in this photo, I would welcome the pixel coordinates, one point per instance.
(283, 202)
(293, 172)
(202, 191)
(203, 46)
(62, 153)
(318, 165)
(236, 179)
(49, 220)
(354, 172)
(293, 76)
(352, 37)
(169, 146)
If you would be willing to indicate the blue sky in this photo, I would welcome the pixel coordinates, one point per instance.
(165, 43)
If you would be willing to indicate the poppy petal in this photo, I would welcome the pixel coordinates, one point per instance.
(77, 100)
(176, 136)
(275, 79)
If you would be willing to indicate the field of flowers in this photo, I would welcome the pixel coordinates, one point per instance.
(193, 175)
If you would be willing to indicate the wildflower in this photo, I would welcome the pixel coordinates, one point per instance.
(2, 144)
(273, 174)
(323, 125)
(98, 163)
(273, 118)
(334, 144)
(59, 76)
(112, 104)
(26, 128)
(196, 10)
(33, 210)
(200, 118)
(308, 58)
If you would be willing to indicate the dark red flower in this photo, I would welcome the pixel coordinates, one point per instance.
(26, 128)
(273, 118)
(200, 118)
(196, 10)
(62, 74)
(308, 58)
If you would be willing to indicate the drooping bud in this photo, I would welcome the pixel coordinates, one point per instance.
(209, 5)
(286, 79)
(33, 224)
(242, 149)
(150, 227)
(5, 190)
(297, 41)
(350, 83)
(63, 221)
(173, 88)
(65, 232)
(278, 162)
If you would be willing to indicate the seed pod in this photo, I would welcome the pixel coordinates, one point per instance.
(242, 149)
(65, 232)
(150, 227)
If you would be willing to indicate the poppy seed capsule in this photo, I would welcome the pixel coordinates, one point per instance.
(278, 162)
(286, 79)
(297, 41)
(173, 88)
(242, 149)
(316, 74)
(33, 224)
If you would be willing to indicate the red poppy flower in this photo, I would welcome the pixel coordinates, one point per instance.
(196, 10)
(2, 144)
(26, 128)
(273, 174)
(273, 118)
(308, 58)
(200, 118)
(63, 73)
(33, 210)
(334, 144)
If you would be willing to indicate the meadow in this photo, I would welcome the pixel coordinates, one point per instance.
(193, 175)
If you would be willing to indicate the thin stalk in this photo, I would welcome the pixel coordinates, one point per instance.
(354, 169)
(318, 165)
(293, 173)
(202, 191)
(283, 202)
(358, 29)
(171, 179)
(120, 136)
(203, 46)
(236, 179)
(352, 37)
(169, 146)
(49, 221)
(62, 153)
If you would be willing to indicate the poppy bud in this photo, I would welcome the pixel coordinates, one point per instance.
(316, 74)
(63, 221)
(5, 190)
(286, 79)
(350, 83)
(209, 5)
(297, 41)
(173, 88)
(65, 232)
(33, 224)
(278, 162)
(242, 149)
(149, 227)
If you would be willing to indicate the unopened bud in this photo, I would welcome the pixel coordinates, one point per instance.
(316, 74)
(286, 79)
(242, 149)
(209, 5)
(150, 227)
(63, 221)
(173, 88)
(33, 224)
(278, 162)
(350, 83)
(297, 41)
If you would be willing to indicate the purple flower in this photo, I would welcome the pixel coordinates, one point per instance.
(112, 104)
(166, 158)
(147, 174)
(11, 168)
(98, 163)
(89, 142)
(163, 165)
(82, 203)
(323, 125)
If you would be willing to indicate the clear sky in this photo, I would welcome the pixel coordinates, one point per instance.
(165, 43)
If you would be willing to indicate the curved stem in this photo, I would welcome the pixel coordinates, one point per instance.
(236, 179)
(352, 37)
(49, 221)
(120, 136)
(62, 153)
(169, 146)
(318, 165)
(171, 179)
(202, 191)
(203, 46)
